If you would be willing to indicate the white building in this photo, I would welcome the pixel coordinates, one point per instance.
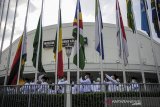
(142, 63)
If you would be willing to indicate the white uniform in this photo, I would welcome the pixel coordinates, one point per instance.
(112, 84)
(25, 88)
(96, 87)
(134, 87)
(62, 86)
(44, 87)
(87, 85)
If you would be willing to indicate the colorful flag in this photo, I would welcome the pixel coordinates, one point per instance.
(158, 8)
(144, 19)
(155, 18)
(121, 36)
(130, 16)
(24, 58)
(35, 46)
(98, 30)
(12, 79)
(59, 60)
(76, 28)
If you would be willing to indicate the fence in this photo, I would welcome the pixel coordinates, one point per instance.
(95, 95)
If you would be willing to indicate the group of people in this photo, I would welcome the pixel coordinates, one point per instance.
(110, 84)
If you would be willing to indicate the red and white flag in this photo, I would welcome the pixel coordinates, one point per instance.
(121, 36)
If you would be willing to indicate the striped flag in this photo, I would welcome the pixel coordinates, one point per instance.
(12, 79)
(144, 19)
(121, 36)
(59, 60)
(158, 8)
(155, 18)
(130, 17)
(24, 58)
(98, 31)
(81, 38)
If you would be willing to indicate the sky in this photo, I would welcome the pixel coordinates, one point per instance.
(50, 14)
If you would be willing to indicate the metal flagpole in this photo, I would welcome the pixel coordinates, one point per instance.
(4, 30)
(138, 47)
(10, 47)
(2, 11)
(78, 1)
(151, 40)
(23, 38)
(99, 32)
(56, 72)
(37, 59)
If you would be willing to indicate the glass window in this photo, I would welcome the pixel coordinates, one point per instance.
(151, 77)
(136, 75)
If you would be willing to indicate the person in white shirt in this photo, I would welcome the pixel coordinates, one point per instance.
(62, 84)
(25, 89)
(134, 86)
(85, 84)
(44, 85)
(96, 87)
(120, 87)
(112, 83)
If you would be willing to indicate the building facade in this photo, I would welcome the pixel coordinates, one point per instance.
(144, 54)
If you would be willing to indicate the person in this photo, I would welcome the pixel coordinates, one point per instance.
(44, 85)
(62, 83)
(86, 83)
(134, 86)
(112, 83)
(96, 87)
(26, 87)
(120, 87)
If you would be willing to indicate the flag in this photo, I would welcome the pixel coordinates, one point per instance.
(158, 8)
(98, 31)
(121, 36)
(59, 60)
(81, 38)
(35, 46)
(24, 58)
(12, 79)
(144, 19)
(130, 17)
(155, 18)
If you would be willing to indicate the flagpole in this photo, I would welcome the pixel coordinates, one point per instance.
(138, 47)
(2, 11)
(10, 47)
(23, 38)
(56, 72)
(4, 31)
(99, 32)
(78, 1)
(40, 31)
(151, 40)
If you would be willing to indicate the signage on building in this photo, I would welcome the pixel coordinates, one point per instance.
(66, 42)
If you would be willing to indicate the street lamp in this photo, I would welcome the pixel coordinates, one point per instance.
(68, 53)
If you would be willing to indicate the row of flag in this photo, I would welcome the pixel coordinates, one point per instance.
(79, 51)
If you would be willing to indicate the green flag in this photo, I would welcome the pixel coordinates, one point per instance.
(35, 46)
(81, 38)
(130, 15)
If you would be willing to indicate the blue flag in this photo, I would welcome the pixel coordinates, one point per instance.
(144, 19)
(155, 18)
(98, 30)
(158, 8)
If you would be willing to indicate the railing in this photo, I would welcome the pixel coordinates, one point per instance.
(95, 95)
